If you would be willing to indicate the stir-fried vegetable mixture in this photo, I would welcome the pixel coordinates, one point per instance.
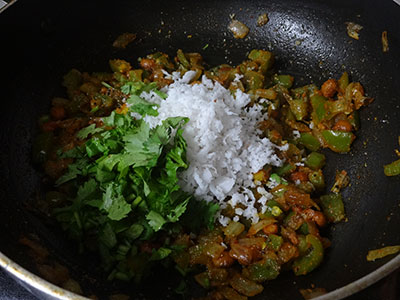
(115, 181)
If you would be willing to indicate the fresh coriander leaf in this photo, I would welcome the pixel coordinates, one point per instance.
(160, 254)
(85, 132)
(141, 106)
(107, 236)
(94, 147)
(79, 167)
(163, 132)
(149, 87)
(199, 214)
(175, 121)
(94, 203)
(106, 258)
(126, 89)
(175, 159)
(109, 162)
(123, 173)
(72, 173)
(135, 138)
(156, 221)
(119, 209)
(114, 203)
(148, 231)
(143, 174)
(106, 85)
(135, 159)
(138, 153)
(117, 120)
(109, 121)
(94, 109)
(77, 152)
(161, 94)
(87, 190)
(176, 212)
(132, 87)
(209, 214)
(103, 176)
(134, 231)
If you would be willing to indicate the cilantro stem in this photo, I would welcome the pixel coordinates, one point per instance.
(78, 220)
(106, 85)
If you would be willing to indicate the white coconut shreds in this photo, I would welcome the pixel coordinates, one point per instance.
(224, 147)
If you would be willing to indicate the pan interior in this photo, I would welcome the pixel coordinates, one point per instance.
(310, 41)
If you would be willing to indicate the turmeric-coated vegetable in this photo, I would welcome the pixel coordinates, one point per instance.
(310, 261)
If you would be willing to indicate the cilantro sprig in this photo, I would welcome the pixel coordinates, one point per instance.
(129, 161)
(127, 192)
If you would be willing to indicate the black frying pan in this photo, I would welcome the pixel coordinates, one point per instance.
(42, 40)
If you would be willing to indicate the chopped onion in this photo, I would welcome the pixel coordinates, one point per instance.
(379, 253)
(353, 29)
(214, 250)
(262, 20)
(385, 42)
(233, 229)
(260, 225)
(245, 286)
(238, 29)
(257, 242)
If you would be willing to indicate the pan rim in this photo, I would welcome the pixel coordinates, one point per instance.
(21, 275)
(56, 292)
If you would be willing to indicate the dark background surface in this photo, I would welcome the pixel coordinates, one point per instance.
(45, 39)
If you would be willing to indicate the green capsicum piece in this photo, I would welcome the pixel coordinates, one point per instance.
(254, 80)
(302, 246)
(354, 119)
(285, 169)
(120, 65)
(338, 141)
(299, 108)
(315, 160)
(304, 92)
(319, 110)
(317, 179)
(136, 75)
(309, 141)
(304, 228)
(286, 220)
(271, 203)
(264, 58)
(275, 242)
(392, 169)
(182, 59)
(284, 80)
(343, 81)
(332, 206)
(310, 261)
(203, 280)
(266, 269)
